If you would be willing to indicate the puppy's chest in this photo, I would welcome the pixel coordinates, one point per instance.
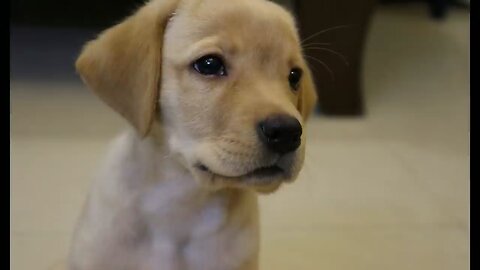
(188, 229)
(178, 210)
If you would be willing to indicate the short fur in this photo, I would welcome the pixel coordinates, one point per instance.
(152, 207)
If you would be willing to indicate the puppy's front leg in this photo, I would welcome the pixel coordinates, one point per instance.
(166, 255)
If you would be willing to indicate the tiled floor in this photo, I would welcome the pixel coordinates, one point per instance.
(389, 191)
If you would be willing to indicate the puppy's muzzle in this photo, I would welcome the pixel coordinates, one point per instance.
(280, 133)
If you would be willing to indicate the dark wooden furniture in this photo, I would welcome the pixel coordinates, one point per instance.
(343, 24)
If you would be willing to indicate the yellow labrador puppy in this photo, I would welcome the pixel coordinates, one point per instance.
(218, 93)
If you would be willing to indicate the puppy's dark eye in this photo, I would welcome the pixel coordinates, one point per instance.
(210, 65)
(294, 78)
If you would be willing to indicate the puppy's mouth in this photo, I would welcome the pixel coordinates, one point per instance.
(261, 172)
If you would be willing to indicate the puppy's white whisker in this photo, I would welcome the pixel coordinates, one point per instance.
(344, 59)
(323, 64)
(314, 68)
(326, 30)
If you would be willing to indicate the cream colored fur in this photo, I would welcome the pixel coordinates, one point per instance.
(151, 207)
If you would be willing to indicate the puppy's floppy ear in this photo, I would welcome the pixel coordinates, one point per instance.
(308, 95)
(123, 65)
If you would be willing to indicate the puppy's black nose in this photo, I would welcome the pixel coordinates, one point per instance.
(280, 133)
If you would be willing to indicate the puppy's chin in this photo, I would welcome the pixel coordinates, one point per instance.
(263, 180)
(263, 185)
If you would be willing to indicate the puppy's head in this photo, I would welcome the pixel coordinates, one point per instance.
(226, 78)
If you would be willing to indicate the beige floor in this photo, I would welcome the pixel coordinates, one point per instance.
(389, 191)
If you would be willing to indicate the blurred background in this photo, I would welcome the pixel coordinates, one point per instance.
(386, 180)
